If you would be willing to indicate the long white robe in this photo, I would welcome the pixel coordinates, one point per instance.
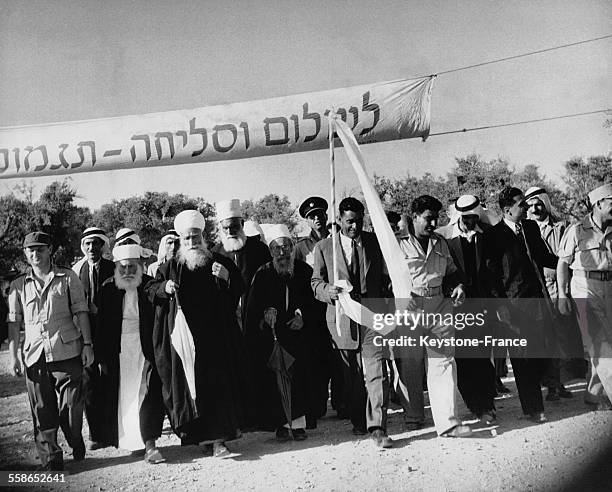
(132, 379)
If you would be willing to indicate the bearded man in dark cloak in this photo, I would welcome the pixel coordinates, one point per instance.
(203, 387)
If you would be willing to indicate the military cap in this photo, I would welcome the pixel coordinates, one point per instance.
(37, 238)
(311, 204)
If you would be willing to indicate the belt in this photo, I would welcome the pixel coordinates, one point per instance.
(426, 291)
(603, 275)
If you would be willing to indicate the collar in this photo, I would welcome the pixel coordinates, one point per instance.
(54, 270)
(315, 237)
(589, 223)
(511, 224)
(348, 241)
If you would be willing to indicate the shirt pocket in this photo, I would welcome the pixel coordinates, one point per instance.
(589, 254)
(69, 334)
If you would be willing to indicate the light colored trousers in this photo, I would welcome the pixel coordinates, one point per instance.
(441, 374)
(594, 309)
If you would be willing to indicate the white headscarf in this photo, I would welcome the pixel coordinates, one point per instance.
(540, 193)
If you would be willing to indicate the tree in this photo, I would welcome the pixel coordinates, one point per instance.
(581, 177)
(151, 215)
(54, 213)
(271, 209)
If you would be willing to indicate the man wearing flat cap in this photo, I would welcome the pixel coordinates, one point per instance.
(47, 299)
(93, 270)
(247, 253)
(586, 249)
(132, 405)
(314, 211)
(203, 385)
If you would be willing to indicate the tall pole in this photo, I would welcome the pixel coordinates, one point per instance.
(332, 176)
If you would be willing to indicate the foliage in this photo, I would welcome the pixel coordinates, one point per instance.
(581, 177)
(271, 209)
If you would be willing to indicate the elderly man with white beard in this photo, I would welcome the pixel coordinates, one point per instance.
(247, 253)
(206, 287)
(132, 404)
(280, 299)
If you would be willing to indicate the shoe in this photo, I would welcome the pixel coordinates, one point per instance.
(413, 426)
(458, 431)
(93, 445)
(358, 431)
(299, 435)
(311, 423)
(500, 388)
(538, 417)
(382, 439)
(220, 450)
(488, 418)
(553, 395)
(153, 457)
(282, 434)
(565, 393)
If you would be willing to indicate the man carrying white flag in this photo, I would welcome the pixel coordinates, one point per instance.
(360, 261)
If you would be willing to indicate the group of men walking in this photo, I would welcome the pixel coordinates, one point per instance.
(246, 335)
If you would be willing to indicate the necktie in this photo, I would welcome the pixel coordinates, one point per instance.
(355, 271)
(93, 288)
(517, 228)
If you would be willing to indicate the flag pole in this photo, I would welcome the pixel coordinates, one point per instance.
(332, 175)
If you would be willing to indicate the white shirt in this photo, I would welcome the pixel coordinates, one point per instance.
(512, 225)
(347, 247)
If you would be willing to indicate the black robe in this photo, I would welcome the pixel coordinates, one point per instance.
(248, 260)
(110, 315)
(209, 305)
(268, 289)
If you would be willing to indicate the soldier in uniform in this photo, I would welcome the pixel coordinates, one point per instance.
(314, 211)
(586, 249)
(46, 299)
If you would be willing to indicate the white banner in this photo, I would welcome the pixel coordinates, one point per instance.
(374, 113)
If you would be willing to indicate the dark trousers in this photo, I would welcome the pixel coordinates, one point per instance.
(94, 391)
(336, 386)
(527, 374)
(551, 377)
(354, 395)
(476, 383)
(319, 365)
(152, 410)
(45, 382)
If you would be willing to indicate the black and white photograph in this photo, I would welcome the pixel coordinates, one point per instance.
(285, 245)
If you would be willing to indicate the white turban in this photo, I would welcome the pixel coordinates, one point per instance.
(228, 209)
(252, 228)
(539, 193)
(127, 251)
(604, 191)
(189, 219)
(276, 231)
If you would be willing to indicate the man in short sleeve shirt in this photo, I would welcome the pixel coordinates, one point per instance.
(44, 300)
(586, 249)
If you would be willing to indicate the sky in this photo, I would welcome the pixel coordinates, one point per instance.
(73, 60)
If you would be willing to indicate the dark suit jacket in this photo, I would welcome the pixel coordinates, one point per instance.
(482, 280)
(513, 274)
(323, 278)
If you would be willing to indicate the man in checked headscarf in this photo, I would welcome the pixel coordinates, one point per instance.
(204, 397)
(552, 230)
(93, 270)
